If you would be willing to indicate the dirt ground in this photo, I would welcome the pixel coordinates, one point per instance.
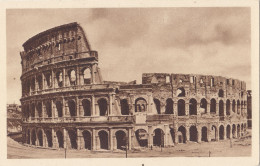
(240, 147)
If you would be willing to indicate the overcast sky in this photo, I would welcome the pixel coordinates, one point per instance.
(130, 42)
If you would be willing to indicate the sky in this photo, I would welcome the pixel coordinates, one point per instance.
(132, 41)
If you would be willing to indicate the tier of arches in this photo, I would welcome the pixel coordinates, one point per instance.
(88, 107)
(57, 78)
(111, 139)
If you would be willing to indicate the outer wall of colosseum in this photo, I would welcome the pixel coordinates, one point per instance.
(67, 104)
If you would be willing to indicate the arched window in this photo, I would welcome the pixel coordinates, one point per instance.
(181, 107)
(102, 103)
(181, 92)
(72, 77)
(220, 93)
(59, 78)
(124, 107)
(193, 107)
(169, 106)
(212, 106)
(157, 105)
(140, 105)
(87, 107)
(203, 105)
(87, 76)
(228, 107)
(221, 108)
(72, 107)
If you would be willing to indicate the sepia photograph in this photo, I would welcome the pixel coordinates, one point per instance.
(130, 82)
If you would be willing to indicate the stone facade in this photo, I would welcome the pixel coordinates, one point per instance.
(66, 103)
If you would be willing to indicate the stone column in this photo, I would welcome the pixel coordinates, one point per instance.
(111, 137)
(149, 103)
(77, 105)
(129, 138)
(187, 107)
(176, 135)
(209, 133)
(64, 78)
(217, 133)
(198, 109)
(63, 107)
(77, 76)
(53, 79)
(199, 133)
(224, 133)
(150, 136)
(54, 141)
(224, 108)
(43, 82)
(43, 110)
(64, 138)
(235, 106)
(175, 109)
(35, 82)
(93, 112)
(166, 135)
(93, 81)
(94, 147)
(208, 107)
(79, 135)
(52, 110)
(110, 104)
(187, 133)
(217, 108)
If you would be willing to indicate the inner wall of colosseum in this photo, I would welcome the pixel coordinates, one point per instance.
(67, 104)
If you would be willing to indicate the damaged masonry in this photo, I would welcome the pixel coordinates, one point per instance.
(67, 104)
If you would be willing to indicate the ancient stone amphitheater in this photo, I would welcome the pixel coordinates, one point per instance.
(67, 104)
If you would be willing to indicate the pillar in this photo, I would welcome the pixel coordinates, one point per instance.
(53, 110)
(110, 140)
(43, 82)
(209, 133)
(208, 107)
(166, 135)
(53, 79)
(93, 112)
(43, 110)
(54, 141)
(64, 138)
(77, 76)
(37, 139)
(217, 133)
(225, 135)
(129, 139)
(149, 104)
(217, 108)
(110, 104)
(235, 106)
(77, 106)
(187, 133)
(93, 81)
(176, 135)
(63, 107)
(199, 134)
(175, 109)
(79, 136)
(186, 108)
(94, 147)
(150, 136)
(63, 77)
(35, 82)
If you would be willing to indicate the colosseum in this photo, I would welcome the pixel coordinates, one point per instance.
(67, 104)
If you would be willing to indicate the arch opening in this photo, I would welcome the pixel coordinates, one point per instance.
(221, 132)
(40, 138)
(193, 134)
(124, 107)
(103, 137)
(86, 107)
(169, 106)
(204, 134)
(193, 107)
(228, 131)
(203, 105)
(121, 139)
(158, 138)
(157, 105)
(212, 106)
(87, 139)
(72, 107)
(181, 134)
(140, 105)
(228, 107)
(141, 136)
(102, 103)
(73, 139)
(59, 108)
(181, 107)
(60, 139)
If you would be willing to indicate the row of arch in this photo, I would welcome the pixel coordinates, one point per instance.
(181, 135)
(140, 106)
(58, 80)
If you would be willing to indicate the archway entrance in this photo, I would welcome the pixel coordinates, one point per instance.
(102, 103)
(213, 133)
(103, 137)
(193, 134)
(33, 137)
(234, 131)
(73, 139)
(158, 138)
(87, 139)
(221, 132)
(40, 138)
(182, 136)
(141, 136)
(49, 138)
(120, 139)
(204, 134)
(228, 131)
(60, 139)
